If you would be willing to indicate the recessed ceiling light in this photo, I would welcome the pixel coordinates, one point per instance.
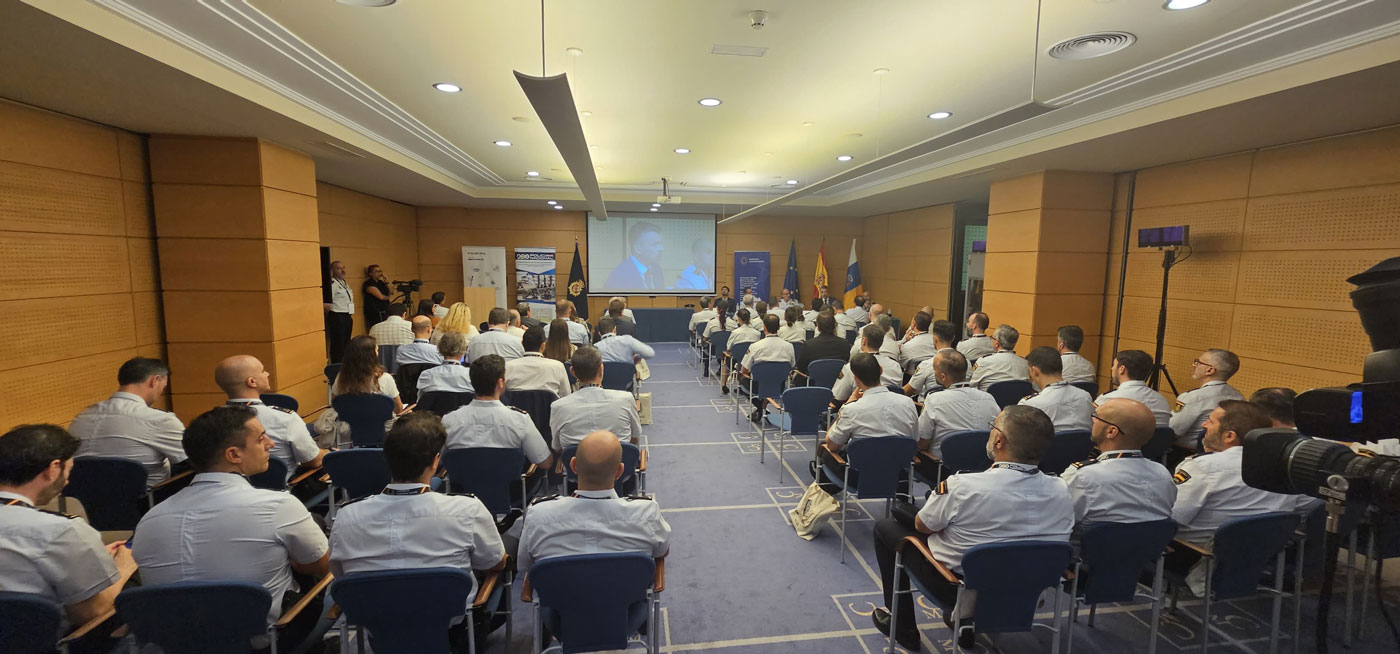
(682, 150)
(558, 206)
(532, 173)
(844, 157)
(710, 102)
(881, 71)
(574, 52)
(940, 115)
(585, 114)
(367, 3)
(655, 204)
(552, 202)
(593, 147)
(504, 144)
(767, 154)
(792, 182)
(654, 209)
(808, 124)
(1177, 5)
(446, 87)
(520, 119)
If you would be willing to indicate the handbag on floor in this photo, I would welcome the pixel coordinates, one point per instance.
(813, 511)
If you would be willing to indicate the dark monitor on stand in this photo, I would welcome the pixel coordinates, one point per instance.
(1164, 237)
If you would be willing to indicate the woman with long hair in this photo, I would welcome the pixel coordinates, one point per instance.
(557, 345)
(458, 319)
(794, 331)
(360, 373)
(425, 308)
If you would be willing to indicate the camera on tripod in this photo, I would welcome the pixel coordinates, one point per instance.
(408, 287)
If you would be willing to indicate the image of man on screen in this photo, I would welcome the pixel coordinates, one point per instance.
(642, 269)
(700, 275)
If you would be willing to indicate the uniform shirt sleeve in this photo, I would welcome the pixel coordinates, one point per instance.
(388, 386)
(533, 443)
(920, 377)
(304, 448)
(167, 437)
(845, 384)
(555, 425)
(1184, 421)
(940, 509)
(298, 533)
(562, 377)
(646, 351)
(1078, 492)
(840, 432)
(926, 423)
(634, 420)
(977, 374)
(1192, 488)
(660, 532)
(487, 548)
(77, 564)
(748, 358)
(524, 557)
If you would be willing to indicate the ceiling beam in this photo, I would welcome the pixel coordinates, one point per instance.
(554, 104)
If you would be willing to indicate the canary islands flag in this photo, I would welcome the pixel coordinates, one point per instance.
(853, 286)
(819, 279)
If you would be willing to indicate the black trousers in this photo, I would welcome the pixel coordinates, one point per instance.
(889, 533)
(338, 326)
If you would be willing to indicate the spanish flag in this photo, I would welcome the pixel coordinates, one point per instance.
(819, 280)
(853, 285)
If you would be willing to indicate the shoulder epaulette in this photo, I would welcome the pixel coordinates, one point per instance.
(1080, 464)
(283, 409)
(358, 499)
(520, 410)
(58, 513)
(1030, 396)
(640, 496)
(942, 487)
(546, 498)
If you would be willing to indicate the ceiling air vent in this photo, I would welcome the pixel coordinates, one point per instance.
(738, 50)
(1091, 45)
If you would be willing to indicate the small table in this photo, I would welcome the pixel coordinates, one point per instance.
(663, 325)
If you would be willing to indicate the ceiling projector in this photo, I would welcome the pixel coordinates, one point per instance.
(668, 199)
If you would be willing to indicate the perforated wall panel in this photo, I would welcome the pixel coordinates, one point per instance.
(1336, 341)
(56, 265)
(1367, 217)
(57, 391)
(1307, 280)
(1206, 276)
(34, 199)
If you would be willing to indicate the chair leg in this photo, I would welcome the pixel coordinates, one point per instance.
(539, 628)
(894, 598)
(272, 640)
(506, 602)
(1093, 609)
(845, 494)
(957, 620)
(471, 633)
(762, 443)
(1205, 607)
(1059, 626)
(782, 414)
(1156, 606)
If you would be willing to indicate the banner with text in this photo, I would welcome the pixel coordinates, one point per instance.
(485, 267)
(534, 281)
(751, 272)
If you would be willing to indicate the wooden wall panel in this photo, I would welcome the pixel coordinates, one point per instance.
(906, 259)
(59, 202)
(60, 265)
(49, 140)
(363, 229)
(1361, 159)
(208, 211)
(57, 391)
(1203, 180)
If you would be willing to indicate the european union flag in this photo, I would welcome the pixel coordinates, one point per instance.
(790, 279)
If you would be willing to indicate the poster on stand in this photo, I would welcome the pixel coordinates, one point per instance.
(535, 281)
(485, 267)
(751, 272)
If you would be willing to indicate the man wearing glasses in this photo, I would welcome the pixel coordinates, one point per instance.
(1211, 369)
(1120, 485)
(1011, 501)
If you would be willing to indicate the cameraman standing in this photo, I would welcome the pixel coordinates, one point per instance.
(376, 290)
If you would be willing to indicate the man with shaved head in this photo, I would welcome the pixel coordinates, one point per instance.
(594, 520)
(1120, 485)
(421, 350)
(243, 379)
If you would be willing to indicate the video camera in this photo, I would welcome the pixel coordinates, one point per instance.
(411, 286)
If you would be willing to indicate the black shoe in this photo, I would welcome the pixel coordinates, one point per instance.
(967, 638)
(723, 390)
(907, 639)
(756, 417)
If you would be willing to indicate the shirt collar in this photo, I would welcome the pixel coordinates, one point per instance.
(408, 487)
(609, 494)
(1216, 382)
(1109, 454)
(533, 354)
(606, 336)
(6, 496)
(876, 389)
(420, 340)
(221, 478)
(123, 395)
(1012, 465)
(1132, 382)
(961, 385)
(488, 403)
(244, 400)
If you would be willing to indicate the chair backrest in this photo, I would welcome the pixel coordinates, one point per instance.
(486, 472)
(805, 405)
(360, 472)
(811, 334)
(631, 458)
(444, 402)
(29, 623)
(274, 478)
(894, 325)
(377, 601)
(389, 358)
(796, 351)
(1066, 448)
(366, 414)
(196, 616)
(407, 379)
(718, 342)
(768, 378)
(281, 401)
(880, 461)
(965, 451)
(618, 375)
(851, 336)
(1009, 392)
(535, 403)
(1115, 554)
(738, 351)
(112, 490)
(823, 372)
(1244, 546)
(1158, 445)
(1092, 388)
(1009, 578)
(594, 596)
(331, 371)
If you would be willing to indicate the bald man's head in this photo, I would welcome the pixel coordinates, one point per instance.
(598, 461)
(242, 375)
(422, 326)
(1134, 421)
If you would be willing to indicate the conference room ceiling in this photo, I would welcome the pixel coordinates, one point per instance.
(315, 71)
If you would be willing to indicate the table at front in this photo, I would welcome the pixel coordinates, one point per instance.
(663, 325)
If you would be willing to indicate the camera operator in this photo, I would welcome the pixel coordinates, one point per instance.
(376, 291)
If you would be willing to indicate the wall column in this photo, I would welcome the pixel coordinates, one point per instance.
(1047, 251)
(237, 233)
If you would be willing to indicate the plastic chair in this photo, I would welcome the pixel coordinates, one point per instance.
(805, 405)
(535, 403)
(796, 351)
(1241, 550)
(823, 372)
(595, 602)
(331, 371)
(1010, 392)
(366, 413)
(719, 341)
(407, 379)
(811, 334)
(737, 352)
(1156, 447)
(632, 464)
(203, 617)
(1111, 559)
(274, 478)
(620, 376)
(29, 623)
(389, 358)
(766, 381)
(112, 489)
(879, 461)
(1092, 388)
(965, 451)
(355, 473)
(487, 473)
(1066, 448)
(376, 601)
(442, 403)
(851, 336)
(281, 401)
(1009, 579)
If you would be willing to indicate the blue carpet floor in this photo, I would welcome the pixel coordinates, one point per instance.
(739, 580)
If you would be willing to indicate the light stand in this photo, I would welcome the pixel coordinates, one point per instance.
(1168, 261)
(1335, 493)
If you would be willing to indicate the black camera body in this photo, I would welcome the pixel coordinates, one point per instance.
(411, 286)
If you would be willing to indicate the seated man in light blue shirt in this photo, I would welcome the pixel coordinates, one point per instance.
(420, 350)
(451, 376)
(495, 340)
(620, 348)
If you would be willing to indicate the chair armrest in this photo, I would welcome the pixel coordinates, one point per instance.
(923, 454)
(310, 594)
(658, 583)
(174, 478)
(534, 468)
(922, 547)
(316, 411)
(527, 593)
(84, 629)
(774, 403)
(1195, 548)
(798, 373)
(834, 455)
(488, 585)
(642, 462)
(304, 475)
